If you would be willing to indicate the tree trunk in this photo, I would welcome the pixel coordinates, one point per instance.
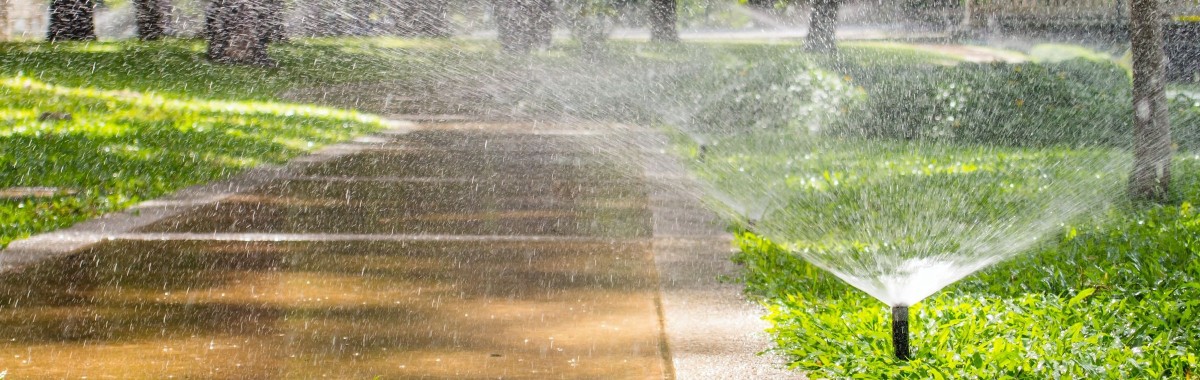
(663, 20)
(429, 18)
(357, 19)
(1152, 148)
(72, 20)
(509, 26)
(272, 21)
(822, 26)
(523, 24)
(968, 14)
(235, 32)
(542, 14)
(4, 28)
(762, 4)
(151, 19)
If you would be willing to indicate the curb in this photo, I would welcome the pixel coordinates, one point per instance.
(713, 331)
(66, 241)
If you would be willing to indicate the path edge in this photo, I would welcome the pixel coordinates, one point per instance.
(712, 330)
(66, 241)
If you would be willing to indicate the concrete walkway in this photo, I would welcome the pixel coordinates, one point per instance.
(475, 251)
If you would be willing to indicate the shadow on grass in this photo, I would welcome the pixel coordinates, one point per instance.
(115, 148)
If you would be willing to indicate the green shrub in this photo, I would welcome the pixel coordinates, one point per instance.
(1078, 102)
(1116, 301)
(1073, 103)
(1185, 122)
(754, 92)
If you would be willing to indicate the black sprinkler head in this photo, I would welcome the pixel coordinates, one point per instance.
(900, 332)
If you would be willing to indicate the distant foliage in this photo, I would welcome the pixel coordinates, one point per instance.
(790, 94)
(590, 22)
(1185, 121)
(1072, 103)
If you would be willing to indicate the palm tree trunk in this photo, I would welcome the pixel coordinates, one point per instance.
(429, 18)
(235, 32)
(823, 26)
(4, 28)
(523, 24)
(662, 21)
(72, 20)
(762, 4)
(1152, 148)
(151, 19)
(272, 21)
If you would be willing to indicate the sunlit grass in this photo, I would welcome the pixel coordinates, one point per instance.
(111, 148)
(179, 68)
(867, 52)
(1065, 52)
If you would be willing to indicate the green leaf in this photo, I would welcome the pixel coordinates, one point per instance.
(1080, 297)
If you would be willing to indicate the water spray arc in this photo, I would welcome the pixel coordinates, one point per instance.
(900, 333)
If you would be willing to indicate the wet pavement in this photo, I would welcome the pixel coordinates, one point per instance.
(441, 253)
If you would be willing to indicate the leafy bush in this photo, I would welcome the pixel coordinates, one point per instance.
(1114, 301)
(1077, 102)
(763, 93)
(1073, 103)
(1185, 121)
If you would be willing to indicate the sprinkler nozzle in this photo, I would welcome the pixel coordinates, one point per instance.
(900, 332)
(703, 152)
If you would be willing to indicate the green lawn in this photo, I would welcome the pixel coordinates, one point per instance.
(144, 120)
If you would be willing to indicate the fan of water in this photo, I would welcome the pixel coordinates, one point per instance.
(902, 220)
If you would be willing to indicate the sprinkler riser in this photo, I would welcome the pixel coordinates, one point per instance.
(900, 332)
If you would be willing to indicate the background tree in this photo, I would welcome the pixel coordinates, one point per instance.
(151, 19)
(523, 24)
(822, 26)
(4, 20)
(1152, 130)
(663, 19)
(237, 31)
(590, 22)
(822, 21)
(422, 18)
(72, 20)
(272, 21)
(762, 4)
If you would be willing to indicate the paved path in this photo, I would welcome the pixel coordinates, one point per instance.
(453, 251)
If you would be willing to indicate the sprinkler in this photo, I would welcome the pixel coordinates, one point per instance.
(703, 152)
(900, 332)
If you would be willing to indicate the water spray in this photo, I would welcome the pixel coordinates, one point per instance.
(900, 332)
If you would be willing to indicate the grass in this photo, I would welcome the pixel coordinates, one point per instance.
(178, 67)
(1108, 290)
(144, 120)
(1015, 320)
